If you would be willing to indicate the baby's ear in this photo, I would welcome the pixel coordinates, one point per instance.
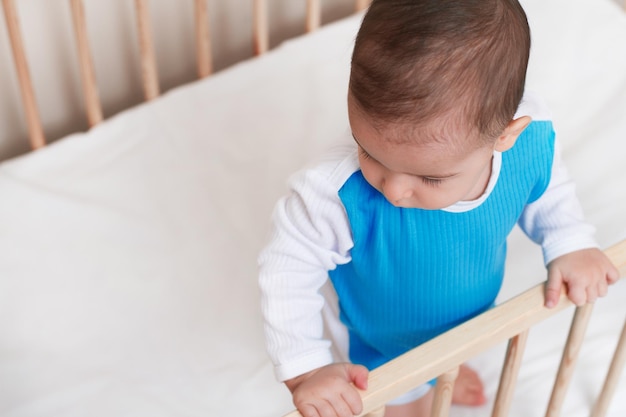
(511, 132)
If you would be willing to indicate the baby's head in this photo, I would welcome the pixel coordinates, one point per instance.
(437, 75)
(417, 62)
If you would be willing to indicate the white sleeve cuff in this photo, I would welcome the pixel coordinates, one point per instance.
(302, 365)
(560, 248)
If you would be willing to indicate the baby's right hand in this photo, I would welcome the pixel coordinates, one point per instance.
(329, 391)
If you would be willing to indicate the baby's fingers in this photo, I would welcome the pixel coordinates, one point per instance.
(320, 408)
(587, 273)
(553, 288)
(352, 399)
(612, 275)
(592, 293)
(341, 408)
(603, 288)
(579, 295)
(332, 407)
(600, 288)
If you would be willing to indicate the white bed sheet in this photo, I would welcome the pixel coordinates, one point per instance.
(128, 253)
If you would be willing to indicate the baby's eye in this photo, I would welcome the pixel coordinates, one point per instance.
(364, 154)
(433, 182)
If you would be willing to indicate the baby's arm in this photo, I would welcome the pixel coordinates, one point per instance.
(329, 390)
(570, 251)
(310, 236)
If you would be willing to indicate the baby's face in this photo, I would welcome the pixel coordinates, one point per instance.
(413, 174)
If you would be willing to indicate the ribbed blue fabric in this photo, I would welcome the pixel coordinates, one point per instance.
(416, 273)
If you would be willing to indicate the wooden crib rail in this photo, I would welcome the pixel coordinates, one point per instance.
(511, 320)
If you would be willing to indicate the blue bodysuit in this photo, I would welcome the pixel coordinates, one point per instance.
(416, 273)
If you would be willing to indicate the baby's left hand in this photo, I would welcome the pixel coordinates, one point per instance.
(587, 274)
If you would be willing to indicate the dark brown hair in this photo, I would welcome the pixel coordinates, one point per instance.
(415, 60)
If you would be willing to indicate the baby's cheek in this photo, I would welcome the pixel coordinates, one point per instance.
(372, 175)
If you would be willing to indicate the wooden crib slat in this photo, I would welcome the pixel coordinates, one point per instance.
(35, 130)
(146, 47)
(568, 360)
(203, 40)
(610, 384)
(510, 370)
(90, 88)
(313, 20)
(443, 393)
(261, 28)
(313, 15)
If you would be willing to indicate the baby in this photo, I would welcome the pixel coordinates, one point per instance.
(410, 221)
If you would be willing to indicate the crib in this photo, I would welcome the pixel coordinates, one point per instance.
(128, 274)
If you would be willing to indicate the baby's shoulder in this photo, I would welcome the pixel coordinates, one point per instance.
(331, 169)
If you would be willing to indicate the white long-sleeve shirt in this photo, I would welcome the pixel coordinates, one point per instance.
(312, 235)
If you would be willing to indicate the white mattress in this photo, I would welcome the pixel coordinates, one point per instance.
(128, 253)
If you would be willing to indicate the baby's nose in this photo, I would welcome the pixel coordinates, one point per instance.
(397, 193)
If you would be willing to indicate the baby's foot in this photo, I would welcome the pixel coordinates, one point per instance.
(468, 388)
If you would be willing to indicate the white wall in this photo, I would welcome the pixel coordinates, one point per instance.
(49, 40)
